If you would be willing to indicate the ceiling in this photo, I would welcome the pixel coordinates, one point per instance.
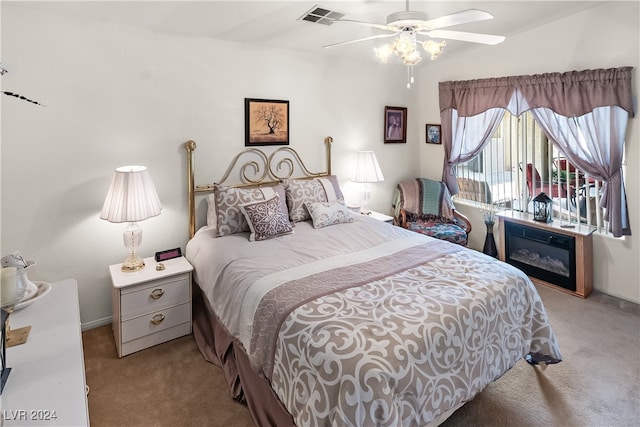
(276, 24)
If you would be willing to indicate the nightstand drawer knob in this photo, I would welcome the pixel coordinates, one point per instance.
(157, 293)
(157, 319)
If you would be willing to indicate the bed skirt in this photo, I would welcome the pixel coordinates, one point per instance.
(220, 348)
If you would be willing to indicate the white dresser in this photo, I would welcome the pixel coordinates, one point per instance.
(46, 386)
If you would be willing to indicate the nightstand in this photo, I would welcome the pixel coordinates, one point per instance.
(381, 217)
(150, 306)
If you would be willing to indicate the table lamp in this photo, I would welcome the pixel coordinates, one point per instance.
(131, 198)
(367, 170)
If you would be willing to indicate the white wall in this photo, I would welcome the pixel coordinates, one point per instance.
(119, 95)
(603, 37)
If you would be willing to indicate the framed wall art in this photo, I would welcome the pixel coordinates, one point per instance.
(395, 125)
(433, 134)
(266, 122)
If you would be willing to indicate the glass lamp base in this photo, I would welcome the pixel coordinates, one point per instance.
(132, 263)
(132, 239)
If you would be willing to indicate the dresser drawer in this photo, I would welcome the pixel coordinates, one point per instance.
(155, 322)
(151, 297)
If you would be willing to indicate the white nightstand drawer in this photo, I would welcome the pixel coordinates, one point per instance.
(155, 322)
(157, 338)
(137, 300)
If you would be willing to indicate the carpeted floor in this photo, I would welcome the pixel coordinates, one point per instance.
(596, 385)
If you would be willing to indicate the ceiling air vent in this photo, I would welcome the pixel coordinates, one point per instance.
(321, 15)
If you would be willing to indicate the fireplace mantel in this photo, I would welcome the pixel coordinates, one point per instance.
(580, 239)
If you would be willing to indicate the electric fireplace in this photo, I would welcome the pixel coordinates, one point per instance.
(542, 254)
(549, 254)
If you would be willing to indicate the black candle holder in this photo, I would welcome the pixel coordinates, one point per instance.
(3, 342)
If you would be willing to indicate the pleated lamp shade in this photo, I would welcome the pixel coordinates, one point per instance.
(132, 196)
(367, 167)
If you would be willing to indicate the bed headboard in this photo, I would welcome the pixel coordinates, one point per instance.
(255, 168)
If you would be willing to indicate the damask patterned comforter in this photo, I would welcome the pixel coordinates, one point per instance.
(366, 324)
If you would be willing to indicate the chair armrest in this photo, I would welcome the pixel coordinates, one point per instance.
(401, 220)
(461, 218)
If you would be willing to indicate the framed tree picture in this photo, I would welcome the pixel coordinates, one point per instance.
(266, 122)
(395, 125)
(433, 134)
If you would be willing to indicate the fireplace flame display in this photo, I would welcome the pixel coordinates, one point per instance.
(544, 262)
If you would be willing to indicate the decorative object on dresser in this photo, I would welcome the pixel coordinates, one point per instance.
(132, 197)
(3, 351)
(542, 205)
(367, 170)
(13, 288)
(395, 125)
(152, 305)
(266, 122)
(549, 253)
(47, 385)
(424, 206)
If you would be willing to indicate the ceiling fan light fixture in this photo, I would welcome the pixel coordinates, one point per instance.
(403, 46)
(434, 48)
(383, 53)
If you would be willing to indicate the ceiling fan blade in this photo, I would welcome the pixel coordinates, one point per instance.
(367, 24)
(464, 17)
(465, 37)
(378, 36)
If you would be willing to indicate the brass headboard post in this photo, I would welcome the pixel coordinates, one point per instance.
(328, 141)
(190, 147)
(268, 175)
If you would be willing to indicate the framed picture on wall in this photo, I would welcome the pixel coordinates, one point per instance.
(395, 125)
(433, 133)
(266, 122)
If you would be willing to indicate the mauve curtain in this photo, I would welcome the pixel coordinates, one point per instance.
(584, 112)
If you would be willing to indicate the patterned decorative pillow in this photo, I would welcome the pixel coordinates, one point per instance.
(212, 215)
(230, 219)
(302, 191)
(266, 219)
(324, 214)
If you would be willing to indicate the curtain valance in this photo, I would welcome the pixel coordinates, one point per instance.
(570, 94)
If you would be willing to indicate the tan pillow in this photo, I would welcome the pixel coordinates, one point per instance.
(302, 191)
(230, 219)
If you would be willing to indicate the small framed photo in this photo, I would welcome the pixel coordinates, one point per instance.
(266, 122)
(395, 125)
(433, 133)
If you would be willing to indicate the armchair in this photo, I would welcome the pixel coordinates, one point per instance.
(425, 206)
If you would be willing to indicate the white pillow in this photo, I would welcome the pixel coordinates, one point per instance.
(324, 214)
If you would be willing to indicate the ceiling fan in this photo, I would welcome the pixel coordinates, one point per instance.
(415, 23)
(408, 25)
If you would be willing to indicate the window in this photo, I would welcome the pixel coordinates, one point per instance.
(519, 163)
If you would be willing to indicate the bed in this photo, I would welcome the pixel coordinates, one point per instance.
(320, 316)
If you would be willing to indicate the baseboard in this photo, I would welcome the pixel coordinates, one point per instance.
(96, 324)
